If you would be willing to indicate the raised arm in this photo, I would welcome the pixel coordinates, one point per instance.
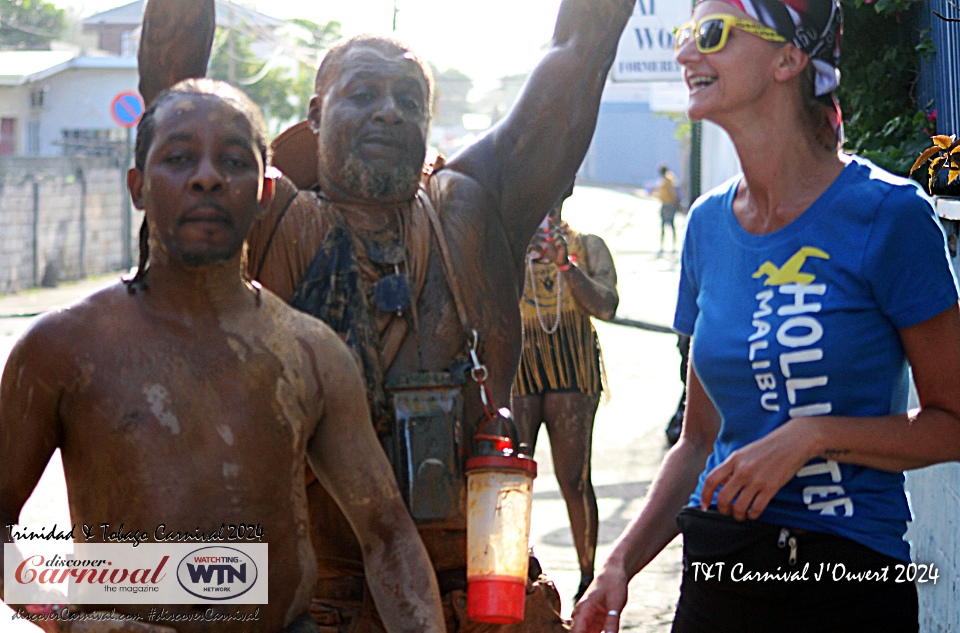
(175, 43)
(347, 458)
(529, 158)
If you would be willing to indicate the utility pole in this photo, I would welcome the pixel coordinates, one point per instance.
(395, 12)
(231, 48)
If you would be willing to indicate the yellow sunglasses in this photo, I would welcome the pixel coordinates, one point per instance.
(712, 31)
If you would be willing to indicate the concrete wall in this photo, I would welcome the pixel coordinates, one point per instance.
(15, 104)
(935, 499)
(62, 219)
(934, 535)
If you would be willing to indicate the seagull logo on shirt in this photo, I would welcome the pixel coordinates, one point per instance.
(790, 273)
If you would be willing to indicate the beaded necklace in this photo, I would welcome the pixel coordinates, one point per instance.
(536, 300)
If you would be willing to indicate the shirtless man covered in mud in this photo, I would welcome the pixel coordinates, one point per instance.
(410, 268)
(187, 396)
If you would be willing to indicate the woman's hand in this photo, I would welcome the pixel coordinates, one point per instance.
(752, 475)
(550, 246)
(600, 607)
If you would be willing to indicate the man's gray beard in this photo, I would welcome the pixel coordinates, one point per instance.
(387, 184)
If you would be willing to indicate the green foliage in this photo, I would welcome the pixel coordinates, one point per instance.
(283, 92)
(881, 51)
(317, 36)
(29, 24)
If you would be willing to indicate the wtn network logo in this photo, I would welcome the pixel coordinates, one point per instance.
(217, 573)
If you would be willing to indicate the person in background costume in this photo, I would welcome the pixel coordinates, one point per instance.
(187, 397)
(808, 283)
(570, 278)
(361, 237)
(669, 197)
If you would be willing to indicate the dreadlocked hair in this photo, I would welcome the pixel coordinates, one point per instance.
(139, 280)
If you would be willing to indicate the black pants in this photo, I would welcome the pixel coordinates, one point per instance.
(758, 590)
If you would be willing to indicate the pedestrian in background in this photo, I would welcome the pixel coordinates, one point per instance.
(669, 197)
(570, 278)
(807, 283)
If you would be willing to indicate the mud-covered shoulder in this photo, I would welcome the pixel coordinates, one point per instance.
(299, 324)
(49, 352)
(327, 352)
(85, 321)
(458, 192)
(330, 371)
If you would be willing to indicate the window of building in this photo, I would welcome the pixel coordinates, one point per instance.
(93, 142)
(33, 138)
(38, 96)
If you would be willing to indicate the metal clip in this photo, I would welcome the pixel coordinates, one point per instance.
(396, 271)
(788, 540)
(479, 371)
(479, 374)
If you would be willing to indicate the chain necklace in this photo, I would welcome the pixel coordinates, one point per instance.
(536, 300)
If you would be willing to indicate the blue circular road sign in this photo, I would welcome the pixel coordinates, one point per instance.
(127, 108)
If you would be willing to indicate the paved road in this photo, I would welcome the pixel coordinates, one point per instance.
(642, 369)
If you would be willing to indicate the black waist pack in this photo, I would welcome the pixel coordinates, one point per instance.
(709, 535)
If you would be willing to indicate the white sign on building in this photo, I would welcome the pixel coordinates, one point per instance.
(645, 51)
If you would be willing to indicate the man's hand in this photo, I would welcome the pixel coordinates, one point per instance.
(175, 43)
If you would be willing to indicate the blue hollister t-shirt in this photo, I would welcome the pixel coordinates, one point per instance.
(804, 321)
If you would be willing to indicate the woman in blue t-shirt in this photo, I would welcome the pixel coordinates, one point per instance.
(808, 283)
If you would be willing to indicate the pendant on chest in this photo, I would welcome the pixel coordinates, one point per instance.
(391, 293)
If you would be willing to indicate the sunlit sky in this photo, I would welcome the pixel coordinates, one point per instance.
(486, 40)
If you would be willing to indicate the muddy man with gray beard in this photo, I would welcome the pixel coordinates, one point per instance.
(418, 268)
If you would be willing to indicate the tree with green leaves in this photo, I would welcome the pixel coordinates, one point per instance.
(881, 53)
(283, 91)
(29, 24)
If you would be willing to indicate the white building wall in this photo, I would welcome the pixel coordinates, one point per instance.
(718, 157)
(15, 104)
(80, 98)
(934, 494)
(935, 500)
